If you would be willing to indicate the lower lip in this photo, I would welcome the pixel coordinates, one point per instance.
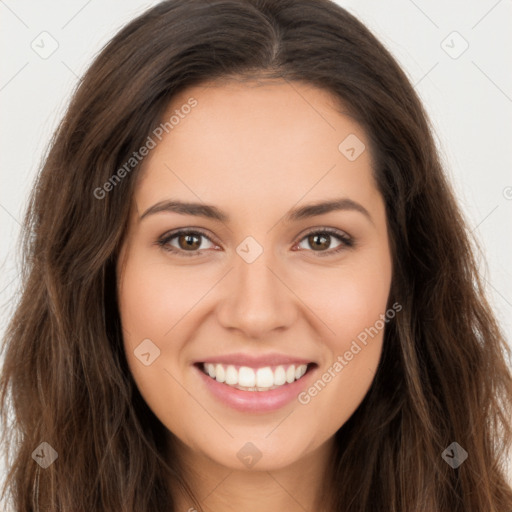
(256, 401)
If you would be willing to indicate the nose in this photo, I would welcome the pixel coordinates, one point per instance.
(257, 299)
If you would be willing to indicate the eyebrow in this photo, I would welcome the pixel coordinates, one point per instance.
(212, 212)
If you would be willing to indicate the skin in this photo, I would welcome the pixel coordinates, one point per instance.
(255, 151)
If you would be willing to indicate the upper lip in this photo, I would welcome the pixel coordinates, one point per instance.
(255, 361)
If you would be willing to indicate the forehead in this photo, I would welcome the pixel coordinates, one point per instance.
(249, 144)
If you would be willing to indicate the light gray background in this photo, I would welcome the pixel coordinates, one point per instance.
(468, 95)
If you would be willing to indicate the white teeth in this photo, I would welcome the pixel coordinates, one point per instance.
(279, 376)
(299, 372)
(231, 376)
(264, 377)
(249, 379)
(220, 373)
(246, 377)
(211, 370)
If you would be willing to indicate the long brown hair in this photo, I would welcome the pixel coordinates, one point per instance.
(443, 375)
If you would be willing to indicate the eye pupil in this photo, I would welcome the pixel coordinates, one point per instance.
(189, 244)
(314, 241)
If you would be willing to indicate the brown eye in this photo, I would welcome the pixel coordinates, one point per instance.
(184, 242)
(320, 241)
(189, 242)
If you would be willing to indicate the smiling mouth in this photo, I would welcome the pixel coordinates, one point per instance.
(264, 378)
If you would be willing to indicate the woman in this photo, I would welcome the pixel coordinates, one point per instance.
(248, 284)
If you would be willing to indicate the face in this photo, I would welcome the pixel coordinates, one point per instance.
(233, 278)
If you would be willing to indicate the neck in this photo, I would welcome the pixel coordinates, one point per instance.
(294, 488)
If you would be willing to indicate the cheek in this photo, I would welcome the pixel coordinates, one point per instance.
(350, 302)
(349, 297)
(153, 297)
(156, 303)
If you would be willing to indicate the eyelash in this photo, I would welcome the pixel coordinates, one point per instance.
(346, 241)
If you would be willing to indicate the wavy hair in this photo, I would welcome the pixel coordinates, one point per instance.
(443, 375)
